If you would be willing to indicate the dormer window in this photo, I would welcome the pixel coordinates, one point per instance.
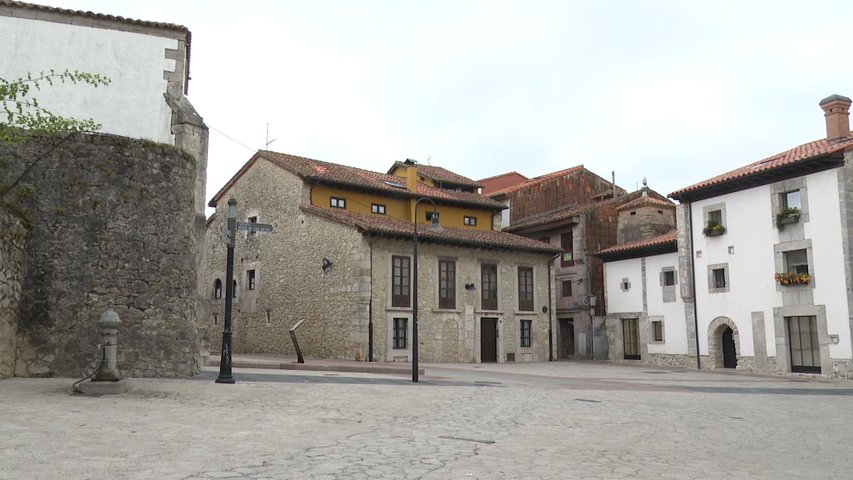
(336, 202)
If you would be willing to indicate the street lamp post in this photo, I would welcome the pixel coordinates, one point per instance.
(225, 352)
(434, 226)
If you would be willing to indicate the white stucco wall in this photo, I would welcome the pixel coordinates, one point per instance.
(132, 105)
(824, 230)
(675, 334)
(618, 300)
(752, 234)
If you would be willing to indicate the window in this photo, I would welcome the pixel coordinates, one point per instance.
(545, 239)
(377, 208)
(217, 289)
(657, 331)
(525, 336)
(719, 278)
(446, 284)
(625, 285)
(797, 261)
(802, 340)
(252, 219)
(250, 279)
(525, 289)
(715, 216)
(429, 215)
(401, 326)
(567, 242)
(336, 202)
(470, 221)
(233, 288)
(667, 283)
(489, 280)
(400, 281)
(567, 288)
(792, 200)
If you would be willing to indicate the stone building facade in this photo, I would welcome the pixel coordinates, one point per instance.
(332, 269)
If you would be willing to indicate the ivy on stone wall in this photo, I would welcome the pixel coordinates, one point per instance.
(23, 116)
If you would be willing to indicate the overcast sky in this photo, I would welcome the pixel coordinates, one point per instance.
(676, 91)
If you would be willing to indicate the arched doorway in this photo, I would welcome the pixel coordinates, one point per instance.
(723, 344)
(729, 351)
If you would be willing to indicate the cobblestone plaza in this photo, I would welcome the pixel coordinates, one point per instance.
(524, 421)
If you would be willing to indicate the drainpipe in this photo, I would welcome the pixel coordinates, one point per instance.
(550, 312)
(693, 276)
(370, 311)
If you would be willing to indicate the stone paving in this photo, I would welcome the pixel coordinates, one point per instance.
(524, 421)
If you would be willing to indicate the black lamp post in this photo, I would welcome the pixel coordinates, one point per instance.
(225, 351)
(434, 226)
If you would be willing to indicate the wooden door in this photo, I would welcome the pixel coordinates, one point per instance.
(567, 338)
(488, 340)
(631, 338)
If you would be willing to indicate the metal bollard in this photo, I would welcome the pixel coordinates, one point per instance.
(107, 372)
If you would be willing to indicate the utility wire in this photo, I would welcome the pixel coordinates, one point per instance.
(232, 139)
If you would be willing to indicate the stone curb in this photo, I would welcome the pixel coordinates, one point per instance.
(384, 369)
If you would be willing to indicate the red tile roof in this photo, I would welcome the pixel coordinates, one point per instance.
(440, 175)
(667, 239)
(644, 201)
(81, 13)
(799, 154)
(380, 224)
(536, 181)
(331, 173)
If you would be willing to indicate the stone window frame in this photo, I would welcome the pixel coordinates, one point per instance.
(525, 341)
(780, 261)
(778, 189)
(252, 214)
(518, 291)
(625, 284)
(783, 360)
(218, 289)
(497, 285)
(252, 279)
(390, 294)
(455, 281)
(395, 330)
(651, 322)
(712, 288)
(668, 291)
(706, 214)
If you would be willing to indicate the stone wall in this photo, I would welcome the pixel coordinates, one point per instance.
(111, 222)
(12, 266)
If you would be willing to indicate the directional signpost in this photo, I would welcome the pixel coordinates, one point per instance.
(229, 236)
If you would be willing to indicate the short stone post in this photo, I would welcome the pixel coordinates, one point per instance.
(109, 324)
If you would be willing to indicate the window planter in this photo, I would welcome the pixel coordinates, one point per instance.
(790, 278)
(788, 216)
(714, 230)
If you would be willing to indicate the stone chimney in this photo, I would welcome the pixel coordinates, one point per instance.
(836, 110)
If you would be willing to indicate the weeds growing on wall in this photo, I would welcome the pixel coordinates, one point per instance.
(21, 116)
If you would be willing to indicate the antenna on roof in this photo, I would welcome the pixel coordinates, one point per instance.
(429, 160)
(645, 182)
(267, 145)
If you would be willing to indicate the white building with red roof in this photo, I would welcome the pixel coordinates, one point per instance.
(763, 267)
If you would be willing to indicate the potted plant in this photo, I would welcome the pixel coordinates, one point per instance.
(713, 229)
(787, 215)
(791, 278)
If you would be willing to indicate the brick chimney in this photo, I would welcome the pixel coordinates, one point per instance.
(836, 110)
